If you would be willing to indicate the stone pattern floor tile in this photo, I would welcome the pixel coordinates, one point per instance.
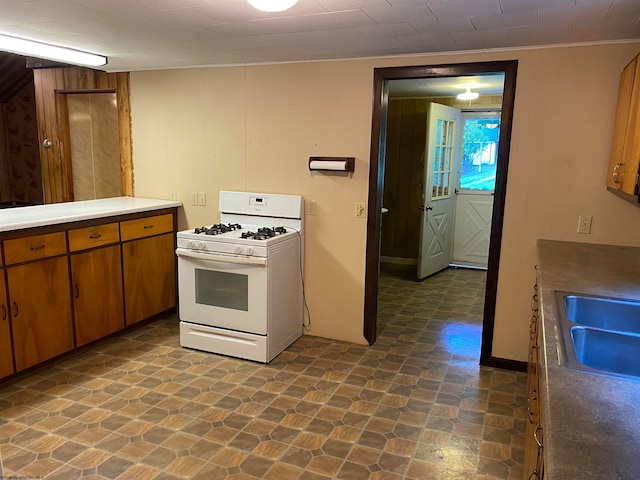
(415, 405)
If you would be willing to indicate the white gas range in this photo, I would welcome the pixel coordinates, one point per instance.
(240, 281)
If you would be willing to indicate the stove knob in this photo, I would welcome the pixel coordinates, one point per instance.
(248, 251)
(238, 250)
(189, 244)
(199, 245)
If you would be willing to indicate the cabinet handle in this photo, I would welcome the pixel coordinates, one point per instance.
(15, 309)
(534, 474)
(535, 436)
(95, 236)
(147, 227)
(615, 173)
(39, 247)
(76, 290)
(4, 312)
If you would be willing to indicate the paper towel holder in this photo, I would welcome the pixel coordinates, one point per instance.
(332, 164)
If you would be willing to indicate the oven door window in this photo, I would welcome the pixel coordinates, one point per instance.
(222, 289)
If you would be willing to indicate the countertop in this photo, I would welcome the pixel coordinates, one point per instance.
(591, 423)
(51, 214)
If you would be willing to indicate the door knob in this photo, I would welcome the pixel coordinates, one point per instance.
(423, 208)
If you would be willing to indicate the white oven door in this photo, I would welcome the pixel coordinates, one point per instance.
(223, 291)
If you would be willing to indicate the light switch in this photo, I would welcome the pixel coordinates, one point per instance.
(202, 199)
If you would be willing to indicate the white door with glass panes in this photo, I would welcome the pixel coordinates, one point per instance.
(474, 194)
(441, 155)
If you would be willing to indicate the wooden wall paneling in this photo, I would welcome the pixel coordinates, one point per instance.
(45, 84)
(408, 120)
(51, 86)
(390, 178)
(403, 175)
(124, 125)
(65, 146)
(5, 172)
(415, 185)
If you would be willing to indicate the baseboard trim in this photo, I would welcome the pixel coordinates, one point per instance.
(505, 364)
(399, 260)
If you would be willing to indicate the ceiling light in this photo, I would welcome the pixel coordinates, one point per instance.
(468, 95)
(31, 48)
(272, 5)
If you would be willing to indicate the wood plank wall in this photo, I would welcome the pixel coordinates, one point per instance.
(404, 170)
(403, 177)
(5, 174)
(51, 86)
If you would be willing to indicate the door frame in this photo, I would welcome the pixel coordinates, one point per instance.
(376, 181)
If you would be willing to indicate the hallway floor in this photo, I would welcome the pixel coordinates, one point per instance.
(415, 405)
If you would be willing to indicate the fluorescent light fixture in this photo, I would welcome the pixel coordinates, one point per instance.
(468, 95)
(272, 5)
(31, 48)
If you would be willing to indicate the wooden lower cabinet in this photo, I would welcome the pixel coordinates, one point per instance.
(40, 306)
(149, 276)
(97, 293)
(6, 349)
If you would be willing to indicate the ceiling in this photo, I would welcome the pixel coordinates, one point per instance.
(159, 34)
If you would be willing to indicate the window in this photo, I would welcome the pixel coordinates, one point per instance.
(479, 150)
(442, 166)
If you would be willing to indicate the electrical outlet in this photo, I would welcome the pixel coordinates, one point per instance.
(173, 196)
(194, 198)
(311, 207)
(361, 210)
(202, 199)
(584, 224)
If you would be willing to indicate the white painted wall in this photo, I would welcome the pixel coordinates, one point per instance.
(253, 128)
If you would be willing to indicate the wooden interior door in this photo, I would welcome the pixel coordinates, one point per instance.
(149, 276)
(6, 349)
(442, 158)
(97, 293)
(40, 304)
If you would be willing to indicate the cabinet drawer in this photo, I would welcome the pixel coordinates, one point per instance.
(33, 248)
(89, 237)
(146, 227)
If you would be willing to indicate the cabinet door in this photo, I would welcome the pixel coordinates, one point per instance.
(97, 293)
(625, 147)
(6, 350)
(40, 305)
(149, 277)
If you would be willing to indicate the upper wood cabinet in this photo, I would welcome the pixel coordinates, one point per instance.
(622, 174)
(6, 349)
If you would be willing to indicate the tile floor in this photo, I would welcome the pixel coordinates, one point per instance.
(413, 406)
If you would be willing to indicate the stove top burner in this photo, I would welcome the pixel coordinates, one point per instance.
(218, 229)
(264, 232)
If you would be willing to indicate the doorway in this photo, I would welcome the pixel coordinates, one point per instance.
(382, 78)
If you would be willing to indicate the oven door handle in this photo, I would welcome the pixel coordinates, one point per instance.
(212, 257)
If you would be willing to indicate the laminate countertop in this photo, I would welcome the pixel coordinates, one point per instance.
(56, 213)
(591, 423)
